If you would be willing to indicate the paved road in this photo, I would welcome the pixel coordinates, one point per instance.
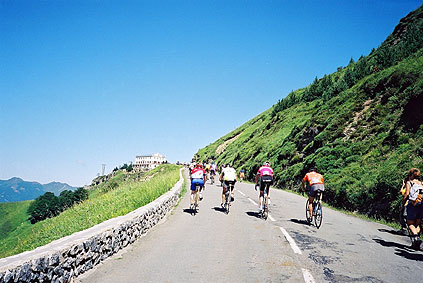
(214, 247)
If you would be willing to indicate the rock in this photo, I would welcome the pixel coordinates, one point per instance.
(59, 271)
(8, 276)
(93, 244)
(50, 275)
(38, 265)
(74, 250)
(24, 273)
(35, 277)
(54, 259)
(88, 265)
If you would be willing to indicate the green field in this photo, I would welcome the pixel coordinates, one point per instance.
(12, 216)
(103, 204)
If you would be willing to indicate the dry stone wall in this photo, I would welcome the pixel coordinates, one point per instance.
(66, 258)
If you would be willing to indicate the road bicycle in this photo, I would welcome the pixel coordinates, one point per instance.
(264, 212)
(265, 208)
(229, 188)
(317, 210)
(194, 206)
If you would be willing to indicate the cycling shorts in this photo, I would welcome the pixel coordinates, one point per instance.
(414, 212)
(227, 183)
(314, 189)
(194, 182)
(213, 172)
(265, 180)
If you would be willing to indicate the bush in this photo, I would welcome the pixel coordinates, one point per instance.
(49, 205)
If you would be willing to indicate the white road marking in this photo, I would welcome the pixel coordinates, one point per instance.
(271, 218)
(241, 193)
(253, 202)
(291, 241)
(308, 278)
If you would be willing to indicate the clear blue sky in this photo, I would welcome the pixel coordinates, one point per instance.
(89, 82)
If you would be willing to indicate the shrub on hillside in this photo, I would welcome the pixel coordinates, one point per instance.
(49, 205)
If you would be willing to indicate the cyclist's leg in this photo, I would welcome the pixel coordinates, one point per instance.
(223, 193)
(267, 192)
(261, 196)
(192, 192)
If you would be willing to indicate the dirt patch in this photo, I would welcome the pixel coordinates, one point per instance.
(352, 127)
(221, 148)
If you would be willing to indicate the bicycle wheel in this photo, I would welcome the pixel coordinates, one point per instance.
(308, 216)
(196, 200)
(319, 215)
(265, 212)
(227, 201)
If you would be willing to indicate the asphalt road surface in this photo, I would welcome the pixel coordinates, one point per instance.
(212, 246)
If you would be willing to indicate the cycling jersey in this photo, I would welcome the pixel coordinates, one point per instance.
(229, 174)
(213, 167)
(313, 178)
(197, 173)
(265, 171)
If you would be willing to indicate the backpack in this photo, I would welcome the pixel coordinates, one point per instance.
(416, 192)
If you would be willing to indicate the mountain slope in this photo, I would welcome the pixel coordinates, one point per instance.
(360, 126)
(16, 189)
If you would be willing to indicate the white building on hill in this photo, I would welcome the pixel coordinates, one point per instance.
(148, 162)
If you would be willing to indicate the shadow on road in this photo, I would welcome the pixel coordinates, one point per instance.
(298, 221)
(413, 256)
(253, 213)
(220, 209)
(190, 211)
(402, 250)
(394, 232)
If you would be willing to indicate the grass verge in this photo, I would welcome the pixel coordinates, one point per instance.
(98, 208)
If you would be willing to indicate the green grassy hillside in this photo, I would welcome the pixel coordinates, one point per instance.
(105, 201)
(360, 126)
(13, 215)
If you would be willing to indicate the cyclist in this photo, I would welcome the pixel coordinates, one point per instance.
(315, 183)
(241, 175)
(264, 178)
(222, 167)
(413, 193)
(213, 169)
(228, 176)
(207, 167)
(198, 176)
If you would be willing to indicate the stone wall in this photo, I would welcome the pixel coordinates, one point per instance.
(66, 258)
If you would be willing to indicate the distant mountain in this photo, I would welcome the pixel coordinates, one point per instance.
(16, 189)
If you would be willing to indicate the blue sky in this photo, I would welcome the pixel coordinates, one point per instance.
(84, 83)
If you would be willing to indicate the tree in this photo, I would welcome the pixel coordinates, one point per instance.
(80, 195)
(66, 199)
(44, 206)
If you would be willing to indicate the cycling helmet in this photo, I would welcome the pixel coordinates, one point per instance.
(266, 163)
(313, 169)
(228, 165)
(199, 165)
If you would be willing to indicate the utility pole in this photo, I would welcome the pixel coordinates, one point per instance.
(103, 169)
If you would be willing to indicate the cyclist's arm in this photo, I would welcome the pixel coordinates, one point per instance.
(407, 193)
(257, 178)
